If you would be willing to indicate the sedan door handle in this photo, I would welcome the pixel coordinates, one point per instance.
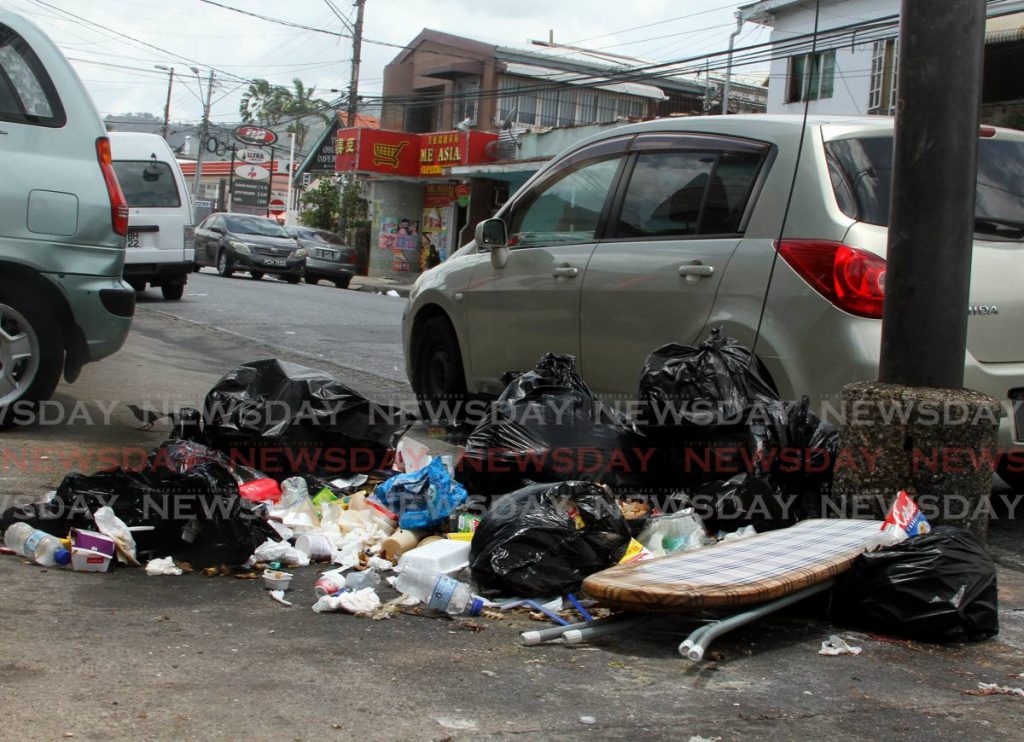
(697, 270)
(566, 271)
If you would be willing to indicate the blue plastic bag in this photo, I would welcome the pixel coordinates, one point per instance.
(423, 498)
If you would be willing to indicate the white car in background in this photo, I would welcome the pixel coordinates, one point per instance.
(159, 251)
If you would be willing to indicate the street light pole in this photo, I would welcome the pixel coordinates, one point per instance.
(167, 105)
(202, 130)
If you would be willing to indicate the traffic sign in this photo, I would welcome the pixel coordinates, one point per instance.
(277, 206)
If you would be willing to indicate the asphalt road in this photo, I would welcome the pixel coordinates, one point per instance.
(353, 329)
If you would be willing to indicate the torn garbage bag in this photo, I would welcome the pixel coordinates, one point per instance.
(286, 419)
(547, 426)
(422, 498)
(544, 539)
(938, 586)
(194, 515)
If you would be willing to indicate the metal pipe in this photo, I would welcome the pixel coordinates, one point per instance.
(728, 65)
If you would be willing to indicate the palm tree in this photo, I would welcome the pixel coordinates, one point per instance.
(264, 103)
(300, 104)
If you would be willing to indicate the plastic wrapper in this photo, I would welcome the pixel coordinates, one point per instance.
(547, 426)
(287, 419)
(667, 534)
(936, 587)
(543, 540)
(195, 515)
(422, 498)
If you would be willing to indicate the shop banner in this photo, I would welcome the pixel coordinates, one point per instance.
(408, 154)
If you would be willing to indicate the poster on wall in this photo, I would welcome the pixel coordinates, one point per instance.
(401, 238)
(435, 232)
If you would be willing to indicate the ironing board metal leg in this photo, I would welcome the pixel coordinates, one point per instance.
(546, 635)
(697, 642)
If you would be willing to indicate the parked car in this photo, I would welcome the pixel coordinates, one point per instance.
(328, 257)
(160, 218)
(231, 242)
(63, 221)
(661, 231)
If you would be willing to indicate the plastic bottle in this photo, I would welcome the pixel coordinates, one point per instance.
(358, 580)
(439, 591)
(39, 546)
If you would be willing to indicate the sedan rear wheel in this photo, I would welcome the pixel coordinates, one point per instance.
(30, 354)
(256, 275)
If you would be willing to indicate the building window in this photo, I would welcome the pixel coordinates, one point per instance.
(884, 64)
(811, 76)
(467, 92)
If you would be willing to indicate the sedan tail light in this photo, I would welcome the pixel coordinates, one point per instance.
(118, 204)
(851, 279)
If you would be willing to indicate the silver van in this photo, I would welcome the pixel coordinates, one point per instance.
(160, 250)
(660, 231)
(63, 221)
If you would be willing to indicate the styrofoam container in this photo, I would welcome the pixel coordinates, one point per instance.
(443, 555)
(89, 560)
(274, 580)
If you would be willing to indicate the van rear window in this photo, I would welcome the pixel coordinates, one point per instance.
(861, 171)
(27, 95)
(147, 184)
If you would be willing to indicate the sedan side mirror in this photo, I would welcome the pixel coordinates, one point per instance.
(218, 230)
(492, 235)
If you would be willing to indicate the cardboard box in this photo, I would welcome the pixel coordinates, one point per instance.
(88, 560)
(92, 541)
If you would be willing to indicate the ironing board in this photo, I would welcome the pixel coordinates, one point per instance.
(771, 570)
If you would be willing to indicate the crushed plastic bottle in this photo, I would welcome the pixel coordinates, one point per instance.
(358, 580)
(439, 591)
(39, 546)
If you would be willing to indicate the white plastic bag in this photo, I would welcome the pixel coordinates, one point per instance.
(363, 602)
(113, 527)
(280, 551)
(165, 566)
(667, 534)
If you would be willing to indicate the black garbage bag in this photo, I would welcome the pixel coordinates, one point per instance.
(286, 420)
(547, 426)
(188, 504)
(543, 540)
(935, 587)
(706, 386)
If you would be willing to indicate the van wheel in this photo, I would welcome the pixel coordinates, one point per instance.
(172, 291)
(30, 354)
(256, 275)
(438, 376)
(224, 268)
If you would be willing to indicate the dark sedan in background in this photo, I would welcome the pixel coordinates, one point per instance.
(328, 257)
(231, 242)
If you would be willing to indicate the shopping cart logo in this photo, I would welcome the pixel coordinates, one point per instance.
(387, 154)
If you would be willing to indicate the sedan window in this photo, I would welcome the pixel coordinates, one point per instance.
(566, 210)
(255, 225)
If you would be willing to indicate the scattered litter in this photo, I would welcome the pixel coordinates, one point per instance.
(278, 595)
(113, 527)
(836, 645)
(994, 689)
(277, 580)
(588, 720)
(456, 722)
(392, 292)
(423, 498)
(362, 602)
(489, 673)
(165, 566)
(279, 551)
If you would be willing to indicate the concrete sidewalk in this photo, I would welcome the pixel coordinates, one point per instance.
(382, 285)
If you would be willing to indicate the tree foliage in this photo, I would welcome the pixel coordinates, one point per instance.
(267, 105)
(322, 205)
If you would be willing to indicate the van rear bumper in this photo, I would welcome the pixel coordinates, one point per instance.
(102, 308)
(157, 274)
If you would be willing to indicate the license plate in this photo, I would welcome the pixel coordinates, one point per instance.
(1017, 399)
(275, 263)
(133, 239)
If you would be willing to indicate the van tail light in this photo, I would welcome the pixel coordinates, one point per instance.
(851, 279)
(118, 204)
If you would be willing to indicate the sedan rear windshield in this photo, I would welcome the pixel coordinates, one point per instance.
(147, 184)
(254, 225)
(861, 172)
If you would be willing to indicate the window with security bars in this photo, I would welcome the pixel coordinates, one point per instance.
(532, 102)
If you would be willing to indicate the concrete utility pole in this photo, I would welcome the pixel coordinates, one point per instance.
(728, 64)
(202, 130)
(353, 85)
(927, 284)
(167, 104)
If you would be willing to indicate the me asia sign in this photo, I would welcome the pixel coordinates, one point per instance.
(408, 154)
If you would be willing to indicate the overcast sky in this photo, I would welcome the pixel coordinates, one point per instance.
(186, 33)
